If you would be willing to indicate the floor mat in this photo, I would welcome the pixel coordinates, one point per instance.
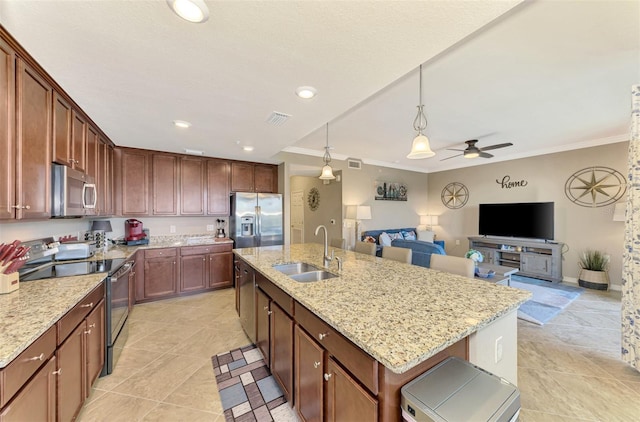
(247, 389)
(547, 301)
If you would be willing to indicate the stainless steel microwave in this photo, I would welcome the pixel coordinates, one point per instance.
(73, 193)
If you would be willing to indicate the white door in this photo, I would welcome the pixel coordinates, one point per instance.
(297, 217)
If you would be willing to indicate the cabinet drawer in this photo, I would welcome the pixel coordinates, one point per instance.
(71, 319)
(159, 253)
(16, 374)
(275, 293)
(203, 250)
(356, 361)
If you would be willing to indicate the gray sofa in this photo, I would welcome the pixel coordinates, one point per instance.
(421, 251)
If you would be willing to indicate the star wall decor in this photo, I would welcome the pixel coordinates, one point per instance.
(454, 195)
(595, 186)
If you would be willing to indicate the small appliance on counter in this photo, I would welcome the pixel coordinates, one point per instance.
(134, 234)
(99, 229)
(75, 250)
(220, 232)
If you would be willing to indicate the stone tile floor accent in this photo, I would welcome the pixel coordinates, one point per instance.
(248, 391)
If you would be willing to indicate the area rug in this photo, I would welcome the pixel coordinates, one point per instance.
(248, 391)
(547, 301)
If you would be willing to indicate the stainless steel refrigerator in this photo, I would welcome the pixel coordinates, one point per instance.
(256, 219)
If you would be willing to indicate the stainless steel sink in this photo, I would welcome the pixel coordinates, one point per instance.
(312, 276)
(295, 268)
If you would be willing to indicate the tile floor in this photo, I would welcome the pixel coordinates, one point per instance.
(569, 369)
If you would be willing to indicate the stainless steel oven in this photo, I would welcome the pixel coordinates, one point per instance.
(117, 312)
(73, 193)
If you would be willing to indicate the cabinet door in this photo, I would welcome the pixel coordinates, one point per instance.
(192, 196)
(134, 189)
(346, 399)
(263, 317)
(247, 302)
(79, 142)
(165, 184)
(71, 374)
(7, 131)
(241, 177)
(92, 155)
(218, 187)
(61, 131)
(221, 270)
(33, 134)
(536, 263)
(282, 349)
(95, 345)
(160, 275)
(37, 400)
(309, 366)
(194, 273)
(108, 180)
(265, 178)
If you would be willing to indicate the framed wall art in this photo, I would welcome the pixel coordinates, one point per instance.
(390, 191)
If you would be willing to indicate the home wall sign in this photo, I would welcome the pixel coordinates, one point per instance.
(313, 199)
(388, 191)
(507, 183)
(454, 195)
(595, 187)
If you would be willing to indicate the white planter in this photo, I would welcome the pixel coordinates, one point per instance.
(598, 280)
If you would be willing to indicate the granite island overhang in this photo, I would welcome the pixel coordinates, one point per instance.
(399, 314)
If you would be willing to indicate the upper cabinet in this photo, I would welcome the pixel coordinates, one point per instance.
(164, 168)
(69, 145)
(254, 177)
(218, 187)
(132, 181)
(7, 131)
(192, 186)
(78, 146)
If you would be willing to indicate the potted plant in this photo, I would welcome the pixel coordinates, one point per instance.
(593, 273)
(475, 256)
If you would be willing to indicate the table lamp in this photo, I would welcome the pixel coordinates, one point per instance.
(358, 212)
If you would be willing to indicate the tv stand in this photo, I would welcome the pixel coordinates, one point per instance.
(532, 258)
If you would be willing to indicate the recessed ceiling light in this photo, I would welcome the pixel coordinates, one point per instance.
(181, 124)
(195, 11)
(306, 92)
(193, 151)
(247, 148)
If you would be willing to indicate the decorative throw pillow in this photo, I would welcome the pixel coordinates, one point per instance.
(384, 239)
(369, 239)
(426, 235)
(395, 236)
(411, 235)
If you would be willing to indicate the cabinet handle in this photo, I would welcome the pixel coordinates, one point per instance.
(92, 325)
(327, 376)
(321, 336)
(316, 365)
(58, 372)
(88, 332)
(203, 259)
(266, 308)
(87, 305)
(269, 312)
(21, 207)
(37, 357)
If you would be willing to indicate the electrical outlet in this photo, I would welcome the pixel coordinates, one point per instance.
(498, 351)
(209, 227)
(457, 242)
(172, 229)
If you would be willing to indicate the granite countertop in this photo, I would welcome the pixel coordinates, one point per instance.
(30, 311)
(400, 314)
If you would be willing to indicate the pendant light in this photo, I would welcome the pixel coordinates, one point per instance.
(420, 147)
(327, 171)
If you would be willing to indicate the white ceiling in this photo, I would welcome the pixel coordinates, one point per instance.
(546, 75)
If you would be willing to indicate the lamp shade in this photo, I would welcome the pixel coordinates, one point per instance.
(358, 212)
(420, 148)
(102, 225)
(619, 211)
(429, 220)
(327, 173)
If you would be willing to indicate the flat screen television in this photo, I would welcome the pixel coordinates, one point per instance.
(527, 220)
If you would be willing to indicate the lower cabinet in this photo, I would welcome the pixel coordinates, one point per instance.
(309, 369)
(160, 273)
(37, 400)
(71, 371)
(263, 324)
(346, 399)
(95, 345)
(281, 349)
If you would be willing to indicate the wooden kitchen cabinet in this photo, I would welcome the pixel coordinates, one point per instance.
(206, 267)
(160, 273)
(61, 131)
(192, 186)
(193, 276)
(78, 145)
(33, 138)
(253, 177)
(309, 382)
(346, 399)
(108, 176)
(132, 180)
(164, 169)
(71, 371)
(282, 349)
(7, 131)
(218, 187)
(263, 322)
(92, 157)
(38, 399)
(221, 267)
(95, 345)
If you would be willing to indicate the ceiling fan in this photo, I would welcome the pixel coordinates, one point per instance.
(472, 151)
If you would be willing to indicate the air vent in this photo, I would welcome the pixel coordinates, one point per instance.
(277, 119)
(354, 164)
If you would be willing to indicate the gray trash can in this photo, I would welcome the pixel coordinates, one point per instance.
(458, 391)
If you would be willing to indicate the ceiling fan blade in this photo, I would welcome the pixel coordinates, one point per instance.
(453, 149)
(490, 147)
(453, 156)
(485, 155)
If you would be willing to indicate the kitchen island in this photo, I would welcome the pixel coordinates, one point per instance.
(405, 318)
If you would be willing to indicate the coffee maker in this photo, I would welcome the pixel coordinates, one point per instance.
(133, 230)
(220, 232)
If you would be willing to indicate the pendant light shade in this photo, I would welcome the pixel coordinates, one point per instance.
(327, 171)
(420, 147)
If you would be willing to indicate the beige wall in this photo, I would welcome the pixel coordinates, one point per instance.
(578, 227)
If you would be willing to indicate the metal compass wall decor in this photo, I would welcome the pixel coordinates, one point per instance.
(313, 199)
(454, 195)
(595, 187)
